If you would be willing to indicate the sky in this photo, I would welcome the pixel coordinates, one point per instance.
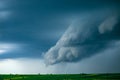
(59, 37)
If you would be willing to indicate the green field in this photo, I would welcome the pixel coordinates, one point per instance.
(62, 77)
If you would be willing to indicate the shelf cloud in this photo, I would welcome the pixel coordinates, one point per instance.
(84, 38)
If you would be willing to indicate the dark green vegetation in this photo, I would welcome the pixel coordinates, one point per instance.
(62, 77)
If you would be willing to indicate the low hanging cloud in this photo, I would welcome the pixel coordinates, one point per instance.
(84, 38)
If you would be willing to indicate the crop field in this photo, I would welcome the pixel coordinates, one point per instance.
(62, 77)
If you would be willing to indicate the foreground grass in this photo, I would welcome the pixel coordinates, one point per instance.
(62, 77)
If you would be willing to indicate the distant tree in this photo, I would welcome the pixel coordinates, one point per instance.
(1, 77)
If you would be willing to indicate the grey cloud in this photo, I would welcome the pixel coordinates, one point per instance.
(82, 39)
(108, 24)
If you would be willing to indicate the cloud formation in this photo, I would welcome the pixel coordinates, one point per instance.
(84, 38)
(8, 47)
(108, 24)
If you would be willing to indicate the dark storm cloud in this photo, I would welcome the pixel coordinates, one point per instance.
(40, 23)
(85, 37)
(26, 22)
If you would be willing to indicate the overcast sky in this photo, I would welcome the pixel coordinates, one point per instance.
(74, 36)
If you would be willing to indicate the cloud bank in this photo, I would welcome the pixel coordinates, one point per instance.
(84, 38)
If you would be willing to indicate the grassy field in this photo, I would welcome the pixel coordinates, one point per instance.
(62, 77)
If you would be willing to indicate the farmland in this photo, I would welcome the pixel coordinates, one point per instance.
(61, 77)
